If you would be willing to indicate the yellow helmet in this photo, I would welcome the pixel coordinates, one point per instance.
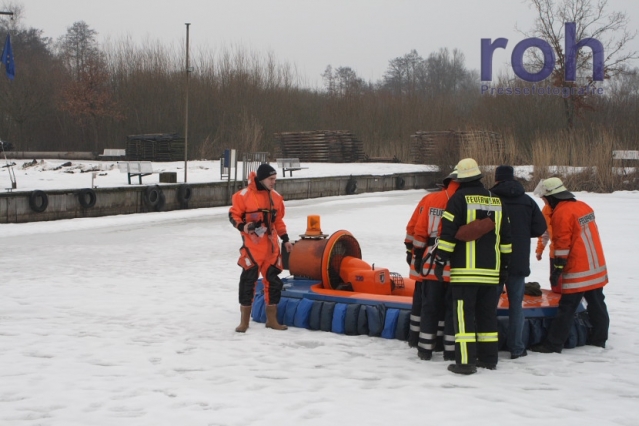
(468, 170)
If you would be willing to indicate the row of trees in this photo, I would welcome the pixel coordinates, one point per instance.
(74, 94)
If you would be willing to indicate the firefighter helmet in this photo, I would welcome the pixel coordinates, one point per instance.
(468, 170)
(450, 177)
(555, 187)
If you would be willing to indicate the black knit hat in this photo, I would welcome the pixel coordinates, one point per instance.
(264, 171)
(503, 173)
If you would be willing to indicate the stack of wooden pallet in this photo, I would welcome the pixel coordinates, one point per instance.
(322, 146)
(155, 147)
(429, 146)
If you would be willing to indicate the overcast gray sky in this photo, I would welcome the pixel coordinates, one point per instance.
(361, 34)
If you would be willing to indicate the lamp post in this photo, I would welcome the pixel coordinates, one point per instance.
(186, 107)
(12, 175)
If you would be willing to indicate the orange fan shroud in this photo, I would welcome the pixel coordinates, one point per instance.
(338, 260)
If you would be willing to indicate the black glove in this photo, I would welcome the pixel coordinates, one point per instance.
(439, 268)
(418, 254)
(250, 228)
(503, 275)
(554, 277)
(409, 252)
(557, 270)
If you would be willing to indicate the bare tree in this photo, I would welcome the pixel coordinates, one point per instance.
(405, 73)
(446, 73)
(78, 47)
(342, 81)
(28, 98)
(89, 98)
(591, 21)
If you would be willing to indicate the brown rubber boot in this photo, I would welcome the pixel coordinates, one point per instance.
(245, 319)
(271, 318)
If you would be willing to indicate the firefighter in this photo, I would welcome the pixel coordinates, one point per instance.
(436, 330)
(475, 239)
(257, 211)
(415, 312)
(579, 269)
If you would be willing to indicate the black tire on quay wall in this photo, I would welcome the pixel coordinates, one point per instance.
(351, 186)
(154, 197)
(184, 194)
(38, 201)
(87, 198)
(400, 183)
(161, 203)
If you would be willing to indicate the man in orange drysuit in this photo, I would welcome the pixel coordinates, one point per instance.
(415, 312)
(436, 327)
(579, 265)
(258, 213)
(415, 273)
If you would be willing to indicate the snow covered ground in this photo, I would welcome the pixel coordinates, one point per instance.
(64, 174)
(128, 320)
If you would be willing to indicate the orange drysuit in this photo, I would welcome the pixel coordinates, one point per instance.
(260, 251)
(435, 317)
(428, 227)
(575, 237)
(410, 232)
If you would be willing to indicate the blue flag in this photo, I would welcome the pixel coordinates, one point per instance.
(7, 58)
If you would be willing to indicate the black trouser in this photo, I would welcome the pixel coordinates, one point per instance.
(248, 278)
(434, 310)
(449, 325)
(562, 323)
(415, 312)
(475, 313)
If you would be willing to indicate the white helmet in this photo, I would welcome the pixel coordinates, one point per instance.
(553, 186)
(468, 170)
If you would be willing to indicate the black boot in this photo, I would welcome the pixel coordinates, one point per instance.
(543, 348)
(487, 365)
(462, 369)
(425, 355)
(521, 355)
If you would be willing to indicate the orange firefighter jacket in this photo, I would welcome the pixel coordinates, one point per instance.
(410, 227)
(575, 237)
(410, 231)
(427, 229)
(547, 236)
(264, 208)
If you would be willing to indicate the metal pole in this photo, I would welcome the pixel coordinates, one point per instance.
(186, 108)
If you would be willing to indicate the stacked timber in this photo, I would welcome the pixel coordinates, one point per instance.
(428, 147)
(320, 146)
(160, 147)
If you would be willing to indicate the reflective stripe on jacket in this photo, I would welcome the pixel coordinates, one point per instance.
(575, 237)
(428, 227)
(479, 261)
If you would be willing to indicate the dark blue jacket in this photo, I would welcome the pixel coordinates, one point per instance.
(526, 222)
